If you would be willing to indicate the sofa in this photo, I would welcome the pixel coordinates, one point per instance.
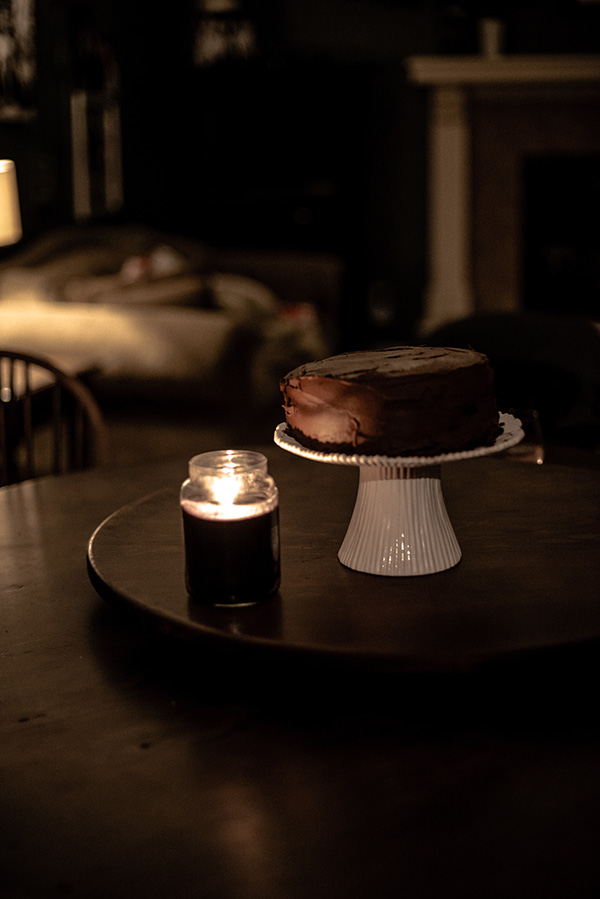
(159, 316)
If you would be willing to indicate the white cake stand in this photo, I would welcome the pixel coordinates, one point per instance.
(400, 525)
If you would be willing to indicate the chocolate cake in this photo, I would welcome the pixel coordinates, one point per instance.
(397, 402)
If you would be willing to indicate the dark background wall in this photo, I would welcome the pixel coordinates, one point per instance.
(317, 142)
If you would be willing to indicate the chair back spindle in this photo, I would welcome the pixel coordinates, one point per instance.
(50, 422)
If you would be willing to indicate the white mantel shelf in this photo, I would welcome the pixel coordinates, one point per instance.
(437, 71)
(451, 79)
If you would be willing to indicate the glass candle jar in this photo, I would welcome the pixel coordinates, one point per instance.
(230, 507)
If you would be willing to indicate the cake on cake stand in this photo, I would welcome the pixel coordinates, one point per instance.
(400, 525)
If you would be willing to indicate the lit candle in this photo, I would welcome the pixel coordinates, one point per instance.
(230, 507)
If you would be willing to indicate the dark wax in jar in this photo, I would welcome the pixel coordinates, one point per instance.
(232, 562)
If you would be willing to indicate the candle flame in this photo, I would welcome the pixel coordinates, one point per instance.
(226, 487)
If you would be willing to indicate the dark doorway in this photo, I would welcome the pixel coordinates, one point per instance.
(562, 235)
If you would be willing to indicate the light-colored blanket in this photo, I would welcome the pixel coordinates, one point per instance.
(157, 332)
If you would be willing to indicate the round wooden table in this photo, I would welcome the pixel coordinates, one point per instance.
(136, 761)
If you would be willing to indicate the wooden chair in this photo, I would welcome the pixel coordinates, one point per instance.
(50, 422)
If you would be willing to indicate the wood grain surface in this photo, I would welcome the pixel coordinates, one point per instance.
(134, 763)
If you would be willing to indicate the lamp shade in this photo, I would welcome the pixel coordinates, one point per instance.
(10, 212)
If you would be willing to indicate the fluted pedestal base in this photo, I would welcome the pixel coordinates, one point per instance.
(400, 525)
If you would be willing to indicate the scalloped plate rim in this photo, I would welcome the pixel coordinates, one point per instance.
(511, 435)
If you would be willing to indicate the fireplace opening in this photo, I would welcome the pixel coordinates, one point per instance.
(561, 231)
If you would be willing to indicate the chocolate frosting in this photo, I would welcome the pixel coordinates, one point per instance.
(392, 361)
(394, 401)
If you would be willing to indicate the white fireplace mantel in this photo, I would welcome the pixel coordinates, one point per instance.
(449, 293)
(440, 71)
